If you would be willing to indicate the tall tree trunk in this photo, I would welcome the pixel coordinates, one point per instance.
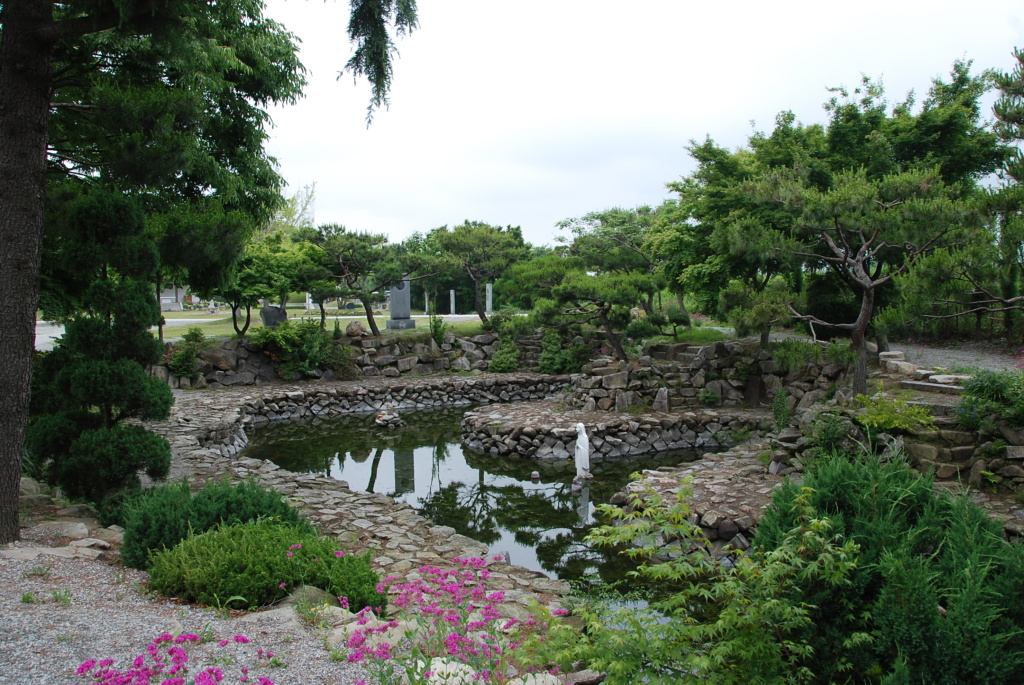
(25, 74)
(478, 300)
(859, 344)
(159, 301)
(368, 308)
(613, 337)
(323, 314)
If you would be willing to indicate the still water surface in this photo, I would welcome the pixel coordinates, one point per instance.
(537, 524)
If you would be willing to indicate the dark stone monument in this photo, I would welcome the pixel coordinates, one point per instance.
(272, 316)
(401, 307)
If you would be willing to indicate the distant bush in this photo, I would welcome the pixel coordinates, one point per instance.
(255, 564)
(506, 358)
(182, 357)
(556, 357)
(165, 516)
(304, 348)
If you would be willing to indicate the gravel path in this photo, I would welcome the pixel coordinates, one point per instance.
(107, 613)
(962, 357)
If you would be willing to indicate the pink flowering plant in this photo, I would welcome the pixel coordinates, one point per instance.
(166, 661)
(453, 629)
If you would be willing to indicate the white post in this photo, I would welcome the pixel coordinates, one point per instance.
(452, 296)
(426, 302)
(490, 305)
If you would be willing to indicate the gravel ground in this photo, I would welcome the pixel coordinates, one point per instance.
(962, 357)
(110, 615)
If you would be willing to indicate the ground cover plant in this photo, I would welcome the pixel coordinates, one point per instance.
(259, 563)
(990, 397)
(161, 517)
(863, 574)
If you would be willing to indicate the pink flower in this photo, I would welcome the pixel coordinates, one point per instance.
(241, 639)
(296, 546)
(289, 555)
(281, 586)
(339, 553)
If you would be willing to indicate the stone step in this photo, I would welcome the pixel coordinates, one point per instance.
(941, 412)
(924, 386)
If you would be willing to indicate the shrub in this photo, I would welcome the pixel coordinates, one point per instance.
(304, 348)
(506, 357)
(103, 460)
(840, 353)
(556, 358)
(973, 412)
(780, 409)
(830, 432)
(260, 562)
(943, 593)
(164, 517)
(438, 328)
(794, 355)
(883, 414)
(642, 328)
(182, 357)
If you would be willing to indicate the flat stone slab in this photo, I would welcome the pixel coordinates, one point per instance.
(924, 386)
(32, 553)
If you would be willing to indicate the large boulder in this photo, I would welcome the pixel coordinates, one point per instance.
(356, 329)
(219, 358)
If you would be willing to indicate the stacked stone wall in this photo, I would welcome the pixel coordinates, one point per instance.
(678, 376)
(242, 362)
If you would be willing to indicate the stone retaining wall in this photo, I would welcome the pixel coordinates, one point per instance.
(241, 362)
(674, 376)
(545, 430)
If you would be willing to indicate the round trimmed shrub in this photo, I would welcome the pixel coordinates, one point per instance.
(164, 517)
(255, 564)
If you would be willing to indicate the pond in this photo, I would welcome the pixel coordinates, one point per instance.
(539, 524)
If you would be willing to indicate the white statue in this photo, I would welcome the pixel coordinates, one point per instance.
(582, 452)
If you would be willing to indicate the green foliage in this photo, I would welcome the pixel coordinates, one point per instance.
(841, 353)
(182, 357)
(991, 395)
(162, 517)
(780, 411)
(974, 413)
(305, 348)
(556, 358)
(717, 625)
(830, 433)
(438, 329)
(253, 561)
(642, 329)
(793, 355)
(707, 397)
(929, 575)
(506, 357)
(885, 414)
(102, 460)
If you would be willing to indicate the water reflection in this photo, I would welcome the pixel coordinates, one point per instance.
(538, 524)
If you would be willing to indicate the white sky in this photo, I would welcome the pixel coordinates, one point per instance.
(534, 111)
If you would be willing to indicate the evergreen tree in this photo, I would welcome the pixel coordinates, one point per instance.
(95, 378)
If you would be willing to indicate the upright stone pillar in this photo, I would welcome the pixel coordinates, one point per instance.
(401, 307)
(426, 302)
(490, 302)
(451, 294)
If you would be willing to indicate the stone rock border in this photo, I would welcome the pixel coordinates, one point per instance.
(546, 430)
